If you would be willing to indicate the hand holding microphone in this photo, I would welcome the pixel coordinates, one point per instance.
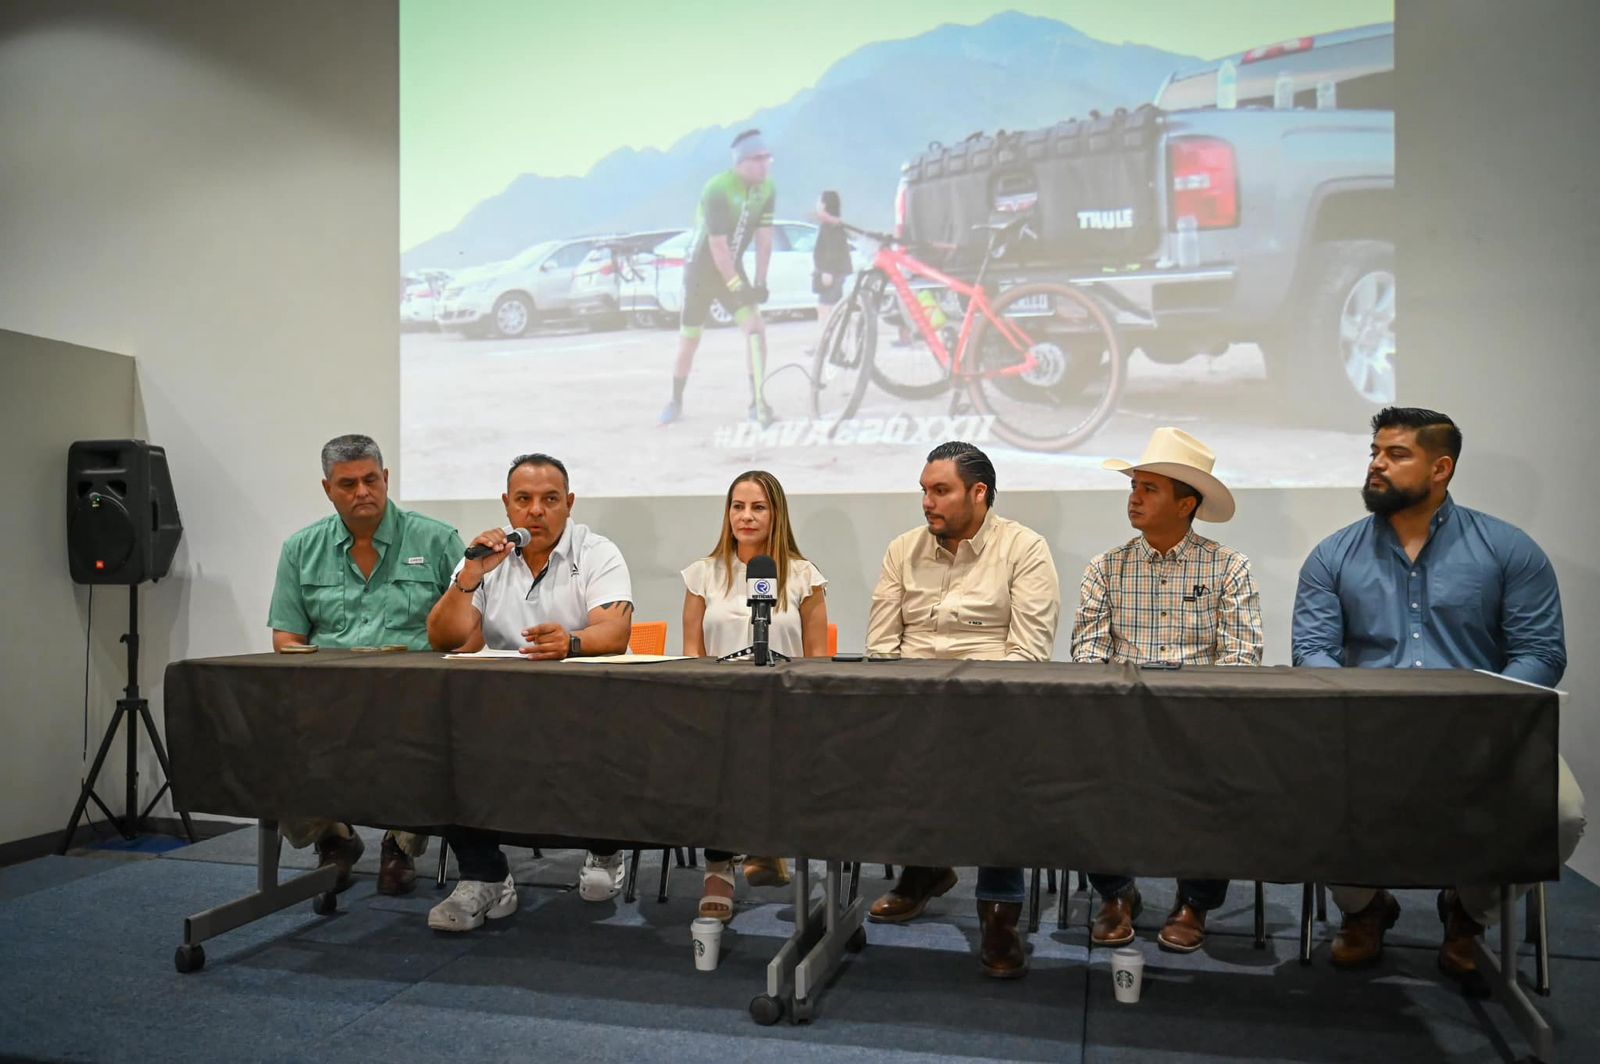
(493, 547)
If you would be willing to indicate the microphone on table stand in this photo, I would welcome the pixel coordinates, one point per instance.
(761, 585)
(761, 591)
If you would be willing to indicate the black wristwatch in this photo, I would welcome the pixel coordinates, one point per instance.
(574, 647)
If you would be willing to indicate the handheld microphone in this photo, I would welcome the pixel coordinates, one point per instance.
(518, 537)
(761, 587)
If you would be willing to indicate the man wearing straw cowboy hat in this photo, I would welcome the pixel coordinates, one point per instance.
(1168, 595)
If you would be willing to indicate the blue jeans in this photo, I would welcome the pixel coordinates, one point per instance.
(478, 853)
(1202, 894)
(1001, 884)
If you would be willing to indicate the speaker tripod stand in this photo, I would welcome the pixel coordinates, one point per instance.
(135, 709)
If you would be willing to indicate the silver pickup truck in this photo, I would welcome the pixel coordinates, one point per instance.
(1267, 196)
(1293, 242)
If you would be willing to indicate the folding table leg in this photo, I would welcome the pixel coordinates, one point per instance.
(1502, 973)
(1540, 927)
(1307, 904)
(270, 897)
(1261, 915)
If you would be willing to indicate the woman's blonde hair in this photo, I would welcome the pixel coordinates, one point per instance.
(781, 547)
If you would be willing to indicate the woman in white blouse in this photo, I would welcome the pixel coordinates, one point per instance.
(716, 621)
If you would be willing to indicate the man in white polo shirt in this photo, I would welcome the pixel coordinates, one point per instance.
(565, 594)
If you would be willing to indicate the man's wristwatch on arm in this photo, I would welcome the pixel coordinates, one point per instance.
(574, 647)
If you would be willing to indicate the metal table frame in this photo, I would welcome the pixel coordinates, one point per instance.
(823, 932)
(1502, 972)
(270, 897)
(829, 927)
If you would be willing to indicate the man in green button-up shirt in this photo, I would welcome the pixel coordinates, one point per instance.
(365, 576)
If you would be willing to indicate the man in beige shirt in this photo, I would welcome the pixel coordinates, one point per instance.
(969, 584)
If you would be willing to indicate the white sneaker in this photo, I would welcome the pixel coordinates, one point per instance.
(602, 878)
(472, 902)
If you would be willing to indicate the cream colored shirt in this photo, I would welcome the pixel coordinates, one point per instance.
(997, 597)
(726, 627)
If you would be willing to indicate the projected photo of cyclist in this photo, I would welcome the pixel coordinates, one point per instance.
(1044, 233)
(735, 209)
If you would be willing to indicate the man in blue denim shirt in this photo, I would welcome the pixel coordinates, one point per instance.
(1426, 584)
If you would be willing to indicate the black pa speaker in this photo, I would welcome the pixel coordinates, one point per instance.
(122, 517)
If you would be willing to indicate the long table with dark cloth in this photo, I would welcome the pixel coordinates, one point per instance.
(1362, 776)
(1272, 773)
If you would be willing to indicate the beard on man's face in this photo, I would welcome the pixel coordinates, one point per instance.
(1387, 499)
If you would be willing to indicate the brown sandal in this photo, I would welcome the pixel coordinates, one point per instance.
(766, 871)
(715, 905)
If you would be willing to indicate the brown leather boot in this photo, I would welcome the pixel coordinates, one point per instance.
(333, 850)
(1360, 938)
(1456, 956)
(911, 894)
(397, 873)
(1185, 930)
(1113, 925)
(1001, 954)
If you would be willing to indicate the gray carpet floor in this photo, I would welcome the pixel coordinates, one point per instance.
(86, 974)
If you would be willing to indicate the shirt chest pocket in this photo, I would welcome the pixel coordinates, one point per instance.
(411, 596)
(322, 591)
(1200, 618)
(979, 611)
(919, 602)
(1458, 592)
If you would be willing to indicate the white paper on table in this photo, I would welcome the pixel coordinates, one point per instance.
(483, 655)
(1561, 696)
(630, 659)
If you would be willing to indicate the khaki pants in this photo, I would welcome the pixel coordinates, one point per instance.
(1482, 902)
(302, 833)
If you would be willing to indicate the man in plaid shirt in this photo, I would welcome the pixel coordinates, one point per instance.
(1168, 595)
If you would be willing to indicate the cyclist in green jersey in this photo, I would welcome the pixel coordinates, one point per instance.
(735, 209)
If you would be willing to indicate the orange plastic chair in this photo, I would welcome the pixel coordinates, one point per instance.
(833, 640)
(649, 637)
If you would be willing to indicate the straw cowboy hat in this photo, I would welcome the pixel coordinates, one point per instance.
(1176, 454)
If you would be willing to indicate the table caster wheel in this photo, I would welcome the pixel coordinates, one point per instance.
(766, 1009)
(325, 904)
(189, 959)
(857, 940)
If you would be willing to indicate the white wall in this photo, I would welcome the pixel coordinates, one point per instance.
(211, 188)
(221, 177)
(51, 394)
(1500, 258)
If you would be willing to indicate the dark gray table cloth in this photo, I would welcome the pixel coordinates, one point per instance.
(1346, 776)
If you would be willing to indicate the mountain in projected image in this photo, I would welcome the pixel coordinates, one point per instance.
(850, 132)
